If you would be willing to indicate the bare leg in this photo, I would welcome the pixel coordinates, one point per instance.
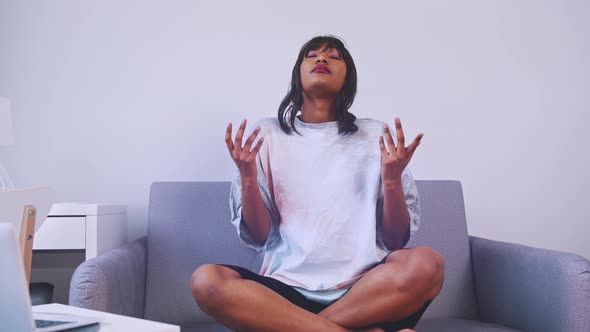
(391, 291)
(245, 305)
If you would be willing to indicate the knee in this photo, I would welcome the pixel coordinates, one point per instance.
(204, 281)
(207, 285)
(424, 271)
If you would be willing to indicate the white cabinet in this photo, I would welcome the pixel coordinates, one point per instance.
(72, 233)
(94, 228)
(61, 233)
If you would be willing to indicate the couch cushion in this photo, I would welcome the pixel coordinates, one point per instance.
(454, 325)
(443, 227)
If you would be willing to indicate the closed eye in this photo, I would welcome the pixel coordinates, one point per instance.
(311, 54)
(334, 55)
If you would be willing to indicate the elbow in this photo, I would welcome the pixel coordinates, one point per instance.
(394, 243)
(261, 241)
(261, 235)
(406, 238)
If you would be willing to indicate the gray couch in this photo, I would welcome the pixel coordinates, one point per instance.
(489, 285)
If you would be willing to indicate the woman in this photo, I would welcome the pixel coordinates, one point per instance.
(329, 201)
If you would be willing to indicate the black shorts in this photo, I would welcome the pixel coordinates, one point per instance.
(301, 301)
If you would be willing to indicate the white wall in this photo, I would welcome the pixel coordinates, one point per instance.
(109, 96)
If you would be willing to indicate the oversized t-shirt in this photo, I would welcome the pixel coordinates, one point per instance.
(324, 197)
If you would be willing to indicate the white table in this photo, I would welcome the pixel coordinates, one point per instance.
(110, 322)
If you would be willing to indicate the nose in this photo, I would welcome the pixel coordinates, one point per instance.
(321, 58)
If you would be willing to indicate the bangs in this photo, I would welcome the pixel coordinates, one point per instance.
(328, 43)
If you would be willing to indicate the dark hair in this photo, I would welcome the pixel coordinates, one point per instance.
(292, 102)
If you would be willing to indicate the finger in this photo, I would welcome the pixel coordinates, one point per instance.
(401, 145)
(412, 147)
(228, 141)
(411, 153)
(389, 138)
(256, 148)
(384, 152)
(251, 139)
(240, 134)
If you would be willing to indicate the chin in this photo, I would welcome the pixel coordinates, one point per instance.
(321, 88)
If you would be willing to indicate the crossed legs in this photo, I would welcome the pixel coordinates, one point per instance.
(388, 292)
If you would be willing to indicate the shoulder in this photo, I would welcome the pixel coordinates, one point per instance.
(369, 122)
(370, 125)
(271, 127)
(269, 124)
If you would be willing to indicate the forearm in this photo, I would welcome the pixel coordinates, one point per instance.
(396, 218)
(254, 215)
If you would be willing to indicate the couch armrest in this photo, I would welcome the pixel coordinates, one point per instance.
(113, 282)
(531, 289)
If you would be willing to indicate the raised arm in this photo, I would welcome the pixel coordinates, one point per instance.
(254, 214)
(396, 218)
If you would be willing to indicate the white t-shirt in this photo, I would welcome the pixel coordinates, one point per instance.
(324, 197)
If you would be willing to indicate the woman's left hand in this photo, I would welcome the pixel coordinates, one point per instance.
(395, 160)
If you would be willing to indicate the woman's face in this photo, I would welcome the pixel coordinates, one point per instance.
(323, 72)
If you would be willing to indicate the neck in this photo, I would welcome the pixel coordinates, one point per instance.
(317, 110)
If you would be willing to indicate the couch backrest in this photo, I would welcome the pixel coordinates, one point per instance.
(444, 228)
(189, 225)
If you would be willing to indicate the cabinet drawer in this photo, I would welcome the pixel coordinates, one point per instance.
(61, 233)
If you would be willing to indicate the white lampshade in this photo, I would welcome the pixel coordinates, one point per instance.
(5, 122)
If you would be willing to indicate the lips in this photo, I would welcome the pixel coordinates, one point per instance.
(321, 68)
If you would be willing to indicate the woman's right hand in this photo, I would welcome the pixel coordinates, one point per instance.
(242, 156)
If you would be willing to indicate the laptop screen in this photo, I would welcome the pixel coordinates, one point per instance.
(15, 303)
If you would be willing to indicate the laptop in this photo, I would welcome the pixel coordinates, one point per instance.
(15, 302)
